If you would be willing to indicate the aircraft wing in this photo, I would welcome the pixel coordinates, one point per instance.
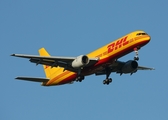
(33, 79)
(117, 67)
(145, 68)
(54, 61)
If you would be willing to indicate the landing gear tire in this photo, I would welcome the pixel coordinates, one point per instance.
(80, 78)
(136, 58)
(107, 81)
(110, 80)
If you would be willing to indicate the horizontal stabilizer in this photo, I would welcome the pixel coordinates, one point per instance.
(145, 68)
(33, 79)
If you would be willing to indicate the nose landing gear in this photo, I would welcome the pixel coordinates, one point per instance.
(136, 58)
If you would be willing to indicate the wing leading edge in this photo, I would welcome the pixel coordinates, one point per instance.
(54, 61)
(33, 79)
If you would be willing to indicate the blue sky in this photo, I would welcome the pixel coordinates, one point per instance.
(72, 28)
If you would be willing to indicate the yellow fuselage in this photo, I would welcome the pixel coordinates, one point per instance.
(106, 54)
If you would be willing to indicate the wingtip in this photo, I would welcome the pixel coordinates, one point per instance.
(12, 54)
(152, 68)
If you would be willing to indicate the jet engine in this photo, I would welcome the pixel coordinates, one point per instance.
(80, 61)
(130, 67)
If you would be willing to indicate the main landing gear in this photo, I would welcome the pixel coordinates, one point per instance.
(136, 58)
(108, 80)
(80, 78)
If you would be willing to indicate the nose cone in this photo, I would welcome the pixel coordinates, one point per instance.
(148, 38)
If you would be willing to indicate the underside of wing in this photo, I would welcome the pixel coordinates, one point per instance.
(144, 68)
(33, 79)
(55, 61)
(130, 66)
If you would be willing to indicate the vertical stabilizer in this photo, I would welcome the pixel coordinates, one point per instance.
(47, 69)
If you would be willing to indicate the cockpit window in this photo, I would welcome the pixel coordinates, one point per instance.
(141, 34)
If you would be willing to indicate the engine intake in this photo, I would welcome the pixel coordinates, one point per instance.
(80, 61)
(130, 67)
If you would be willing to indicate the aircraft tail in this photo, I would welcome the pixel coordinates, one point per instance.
(47, 69)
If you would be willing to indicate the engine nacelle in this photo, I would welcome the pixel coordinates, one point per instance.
(130, 67)
(80, 61)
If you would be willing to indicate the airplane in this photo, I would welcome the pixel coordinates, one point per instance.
(103, 61)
